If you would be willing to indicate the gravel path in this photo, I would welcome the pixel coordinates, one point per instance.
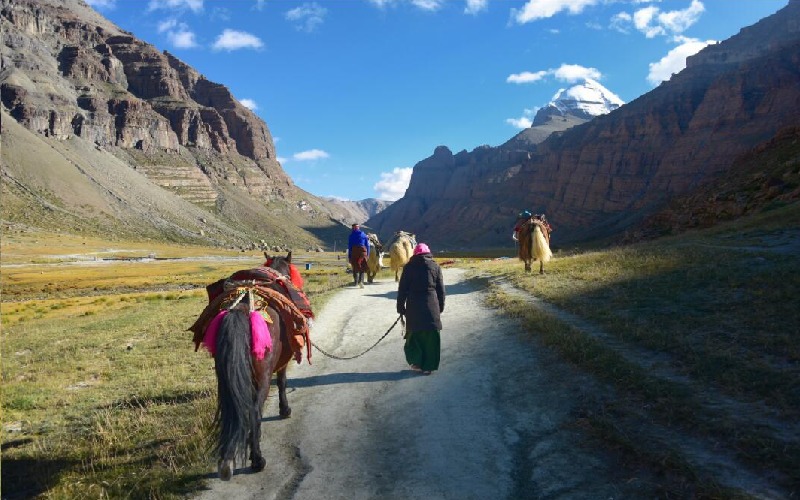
(488, 424)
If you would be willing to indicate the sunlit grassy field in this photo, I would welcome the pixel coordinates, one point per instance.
(718, 309)
(103, 393)
(104, 396)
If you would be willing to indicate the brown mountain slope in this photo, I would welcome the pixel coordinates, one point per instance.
(132, 140)
(601, 178)
(762, 179)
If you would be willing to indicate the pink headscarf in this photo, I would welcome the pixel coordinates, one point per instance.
(421, 248)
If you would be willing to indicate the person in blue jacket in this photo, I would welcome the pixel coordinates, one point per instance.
(357, 254)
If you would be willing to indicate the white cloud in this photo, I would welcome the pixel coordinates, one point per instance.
(541, 9)
(310, 155)
(193, 5)
(282, 159)
(526, 77)
(260, 4)
(182, 39)
(675, 60)
(566, 72)
(233, 40)
(102, 4)
(393, 185)
(620, 22)
(471, 6)
(428, 4)
(178, 34)
(475, 6)
(249, 104)
(679, 21)
(653, 22)
(308, 16)
(574, 72)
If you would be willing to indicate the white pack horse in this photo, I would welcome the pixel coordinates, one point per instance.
(400, 251)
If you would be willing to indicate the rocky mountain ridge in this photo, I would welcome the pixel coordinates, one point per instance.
(70, 75)
(605, 176)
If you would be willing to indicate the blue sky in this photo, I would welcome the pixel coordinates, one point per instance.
(355, 92)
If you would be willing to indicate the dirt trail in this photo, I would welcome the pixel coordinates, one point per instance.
(489, 424)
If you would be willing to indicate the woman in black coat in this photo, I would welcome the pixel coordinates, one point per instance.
(420, 297)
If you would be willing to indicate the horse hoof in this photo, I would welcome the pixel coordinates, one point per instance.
(258, 464)
(225, 469)
(286, 413)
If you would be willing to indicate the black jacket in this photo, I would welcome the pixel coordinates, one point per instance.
(420, 295)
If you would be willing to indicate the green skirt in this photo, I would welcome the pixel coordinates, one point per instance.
(422, 349)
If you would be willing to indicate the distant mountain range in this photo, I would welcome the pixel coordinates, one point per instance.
(599, 177)
(104, 134)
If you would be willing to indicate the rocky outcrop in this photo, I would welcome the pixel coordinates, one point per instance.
(70, 75)
(766, 176)
(601, 177)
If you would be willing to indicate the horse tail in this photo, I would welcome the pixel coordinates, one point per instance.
(235, 390)
(541, 249)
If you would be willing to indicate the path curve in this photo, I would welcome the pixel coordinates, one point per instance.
(489, 424)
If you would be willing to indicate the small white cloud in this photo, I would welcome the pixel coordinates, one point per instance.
(541, 9)
(282, 160)
(652, 22)
(234, 40)
(526, 77)
(520, 123)
(102, 4)
(621, 22)
(182, 39)
(193, 5)
(675, 60)
(566, 72)
(430, 5)
(249, 104)
(393, 185)
(308, 16)
(167, 25)
(475, 6)
(178, 34)
(310, 155)
(260, 4)
(574, 72)
(678, 21)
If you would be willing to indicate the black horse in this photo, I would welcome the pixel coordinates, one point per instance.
(243, 381)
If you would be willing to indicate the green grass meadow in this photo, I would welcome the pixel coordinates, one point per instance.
(103, 395)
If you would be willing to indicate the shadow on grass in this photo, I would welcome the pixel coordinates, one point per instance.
(29, 477)
(165, 399)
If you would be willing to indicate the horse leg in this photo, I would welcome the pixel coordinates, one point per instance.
(261, 378)
(541, 267)
(527, 266)
(283, 403)
(225, 468)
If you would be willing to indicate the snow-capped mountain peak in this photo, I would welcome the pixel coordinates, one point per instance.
(586, 100)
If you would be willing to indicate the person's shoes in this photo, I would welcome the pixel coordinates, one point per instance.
(415, 368)
(361, 285)
(427, 372)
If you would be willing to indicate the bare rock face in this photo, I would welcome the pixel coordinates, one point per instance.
(69, 72)
(601, 177)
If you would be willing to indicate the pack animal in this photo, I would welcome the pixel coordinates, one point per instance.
(246, 355)
(400, 250)
(374, 261)
(534, 242)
